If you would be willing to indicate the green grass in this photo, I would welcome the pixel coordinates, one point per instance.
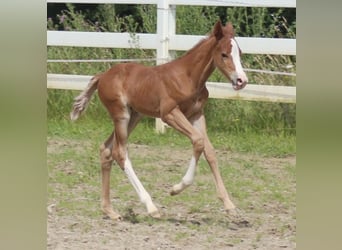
(249, 142)
(245, 176)
(76, 168)
(251, 118)
(201, 212)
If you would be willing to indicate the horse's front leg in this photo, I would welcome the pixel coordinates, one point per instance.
(210, 155)
(188, 178)
(178, 121)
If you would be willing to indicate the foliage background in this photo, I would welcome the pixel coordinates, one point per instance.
(226, 116)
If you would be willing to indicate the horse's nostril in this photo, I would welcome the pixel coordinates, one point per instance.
(239, 81)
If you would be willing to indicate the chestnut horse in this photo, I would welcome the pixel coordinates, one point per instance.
(174, 92)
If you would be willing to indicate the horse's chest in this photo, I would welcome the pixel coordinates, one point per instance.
(195, 104)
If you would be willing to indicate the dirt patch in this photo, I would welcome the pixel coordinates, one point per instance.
(184, 225)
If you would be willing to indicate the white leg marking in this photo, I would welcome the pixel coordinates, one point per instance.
(187, 180)
(139, 188)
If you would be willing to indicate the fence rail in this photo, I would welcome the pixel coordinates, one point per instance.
(249, 45)
(166, 39)
(240, 3)
(251, 92)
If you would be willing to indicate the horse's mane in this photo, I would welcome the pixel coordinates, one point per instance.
(197, 45)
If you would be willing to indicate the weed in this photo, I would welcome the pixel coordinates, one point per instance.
(223, 116)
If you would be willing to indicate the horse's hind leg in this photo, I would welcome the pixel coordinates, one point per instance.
(120, 155)
(106, 164)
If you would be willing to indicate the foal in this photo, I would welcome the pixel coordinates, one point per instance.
(176, 93)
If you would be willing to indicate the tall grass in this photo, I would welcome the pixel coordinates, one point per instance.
(222, 115)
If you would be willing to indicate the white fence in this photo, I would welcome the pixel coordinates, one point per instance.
(166, 40)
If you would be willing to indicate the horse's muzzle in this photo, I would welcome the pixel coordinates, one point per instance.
(239, 83)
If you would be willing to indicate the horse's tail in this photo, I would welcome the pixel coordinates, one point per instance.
(82, 100)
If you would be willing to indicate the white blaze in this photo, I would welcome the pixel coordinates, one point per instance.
(235, 53)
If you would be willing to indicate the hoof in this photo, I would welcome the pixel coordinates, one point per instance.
(176, 189)
(237, 217)
(173, 192)
(112, 215)
(155, 214)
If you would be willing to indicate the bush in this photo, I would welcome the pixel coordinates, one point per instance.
(222, 115)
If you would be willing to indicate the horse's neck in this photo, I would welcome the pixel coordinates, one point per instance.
(198, 62)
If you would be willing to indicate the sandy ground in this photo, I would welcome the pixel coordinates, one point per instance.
(271, 225)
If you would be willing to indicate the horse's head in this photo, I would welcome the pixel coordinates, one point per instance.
(227, 55)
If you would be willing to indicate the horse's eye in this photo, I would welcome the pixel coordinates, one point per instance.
(224, 55)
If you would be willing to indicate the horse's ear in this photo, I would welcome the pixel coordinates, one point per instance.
(229, 25)
(229, 28)
(218, 32)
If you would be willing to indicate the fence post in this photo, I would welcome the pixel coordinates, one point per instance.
(166, 26)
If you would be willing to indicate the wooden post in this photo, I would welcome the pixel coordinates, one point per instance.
(166, 26)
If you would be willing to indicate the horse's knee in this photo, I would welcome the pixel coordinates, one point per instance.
(198, 144)
(119, 156)
(104, 152)
(105, 157)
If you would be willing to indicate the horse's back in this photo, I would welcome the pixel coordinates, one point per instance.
(133, 85)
